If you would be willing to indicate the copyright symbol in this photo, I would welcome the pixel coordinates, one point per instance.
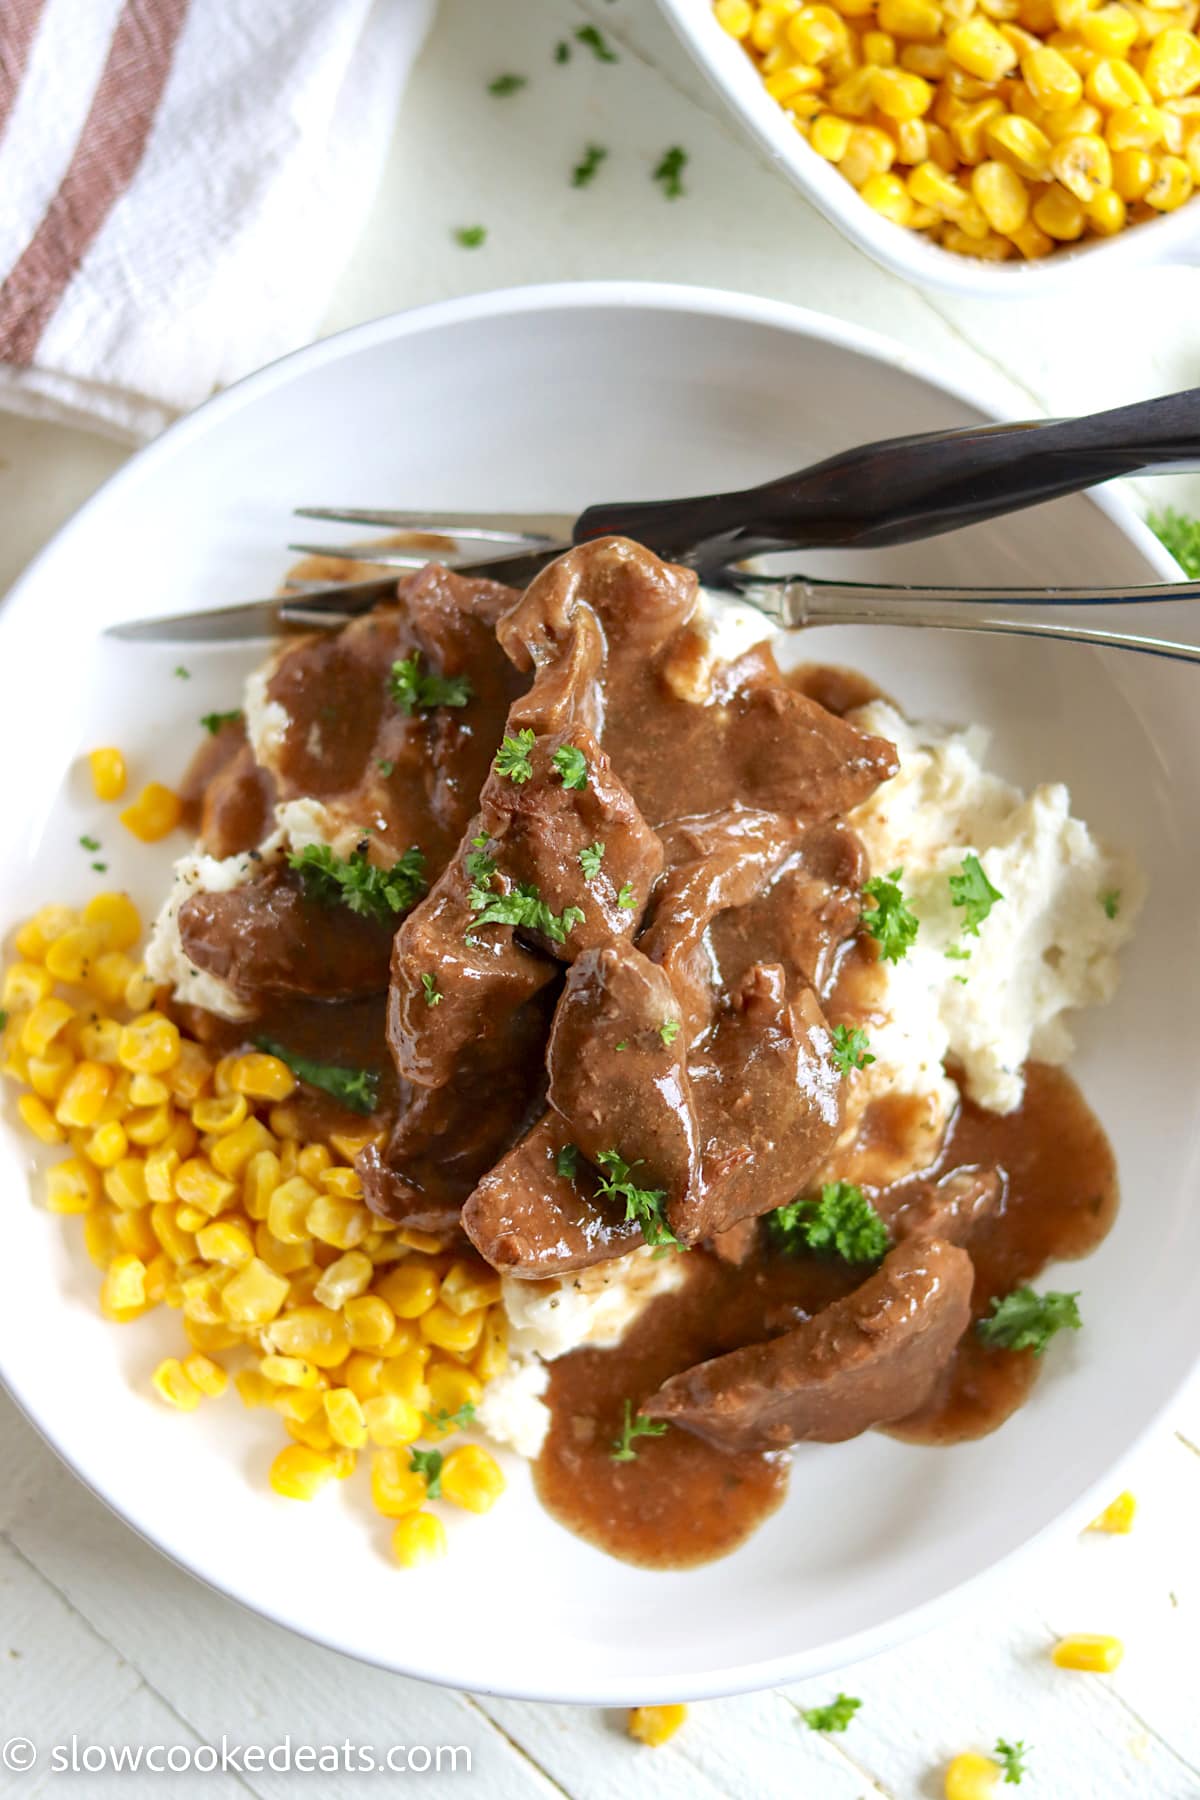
(18, 1754)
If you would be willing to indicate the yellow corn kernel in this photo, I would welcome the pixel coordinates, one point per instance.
(236, 1148)
(147, 1090)
(472, 1479)
(99, 1239)
(149, 1044)
(1001, 195)
(901, 95)
(971, 1777)
(1059, 214)
(342, 1184)
(43, 1025)
(287, 1210)
(1172, 184)
(162, 1166)
(70, 957)
(108, 773)
(261, 1077)
(869, 152)
(1051, 80)
(912, 141)
(919, 19)
(154, 814)
(71, 1187)
(198, 1184)
(990, 246)
(1094, 1654)
(396, 1488)
(1111, 29)
(344, 1416)
(734, 16)
(1083, 165)
(299, 1405)
(300, 1472)
(980, 49)
(253, 1387)
(260, 1178)
(1193, 157)
(391, 1420)
(450, 1331)
(816, 33)
(342, 1223)
(254, 1294)
(123, 1290)
(313, 1161)
(190, 1076)
(1135, 128)
(285, 1259)
(1133, 172)
(1115, 84)
(178, 1243)
(207, 1338)
(313, 1332)
(927, 60)
(292, 1371)
(419, 1537)
(466, 1286)
(968, 131)
(25, 983)
(360, 1373)
(225, 1242)
(1021, 144)
(107, 1145)
(34, 937)
(345, 1279)
(409, 1290)
(878, 51)
(1117, 1516)
(208, 1376)
(654, 1725)
(116, 917)
(1106, 212)
(851, 98)
(174, 1385)
(37, 1118)
(451, 1388)
(1084, 120)
(931, 186)
(133, 1232)
(424, 1241)
(404, 1376)
(313, 1432)
(82, 1099)
(220, 1113)
(149, 1124)
(181, 1139)
(491, 1358)
(201, 1293)
(1172, 65)
(190, 1218)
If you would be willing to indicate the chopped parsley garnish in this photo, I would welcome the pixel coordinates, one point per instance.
(957, 953)
(429, 1464)
(842, 1220)
(889, 921)
(433, 994)
(623, 1045)
(585, 169)
(634, 1427)
(507, 84)
(834, 1717)
(627, 899)
(562, 51)
(643, 1204)
(480, 866)
(591, 858)
(571, 764)
(566, 1163)
(512, 758)
(1111, 902)
(212, 722)
(670, 171)
(385, 766)
(1181, 535)
(668, 1031)
(1024, 1320)
(850, 1048)
(524, 907)
(356, 1089)
(1012, 1756)
(974, 893)
(470, 236)
(181, 674)
(412, 690)
(89, 843)
(442, 1421)
(365, 888)
(597, 43)
(100, 868)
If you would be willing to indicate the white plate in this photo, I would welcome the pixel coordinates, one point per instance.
(1172, 238)
(547, 398)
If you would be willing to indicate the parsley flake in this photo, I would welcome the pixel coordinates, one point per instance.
(366, 889)
(842, 1220)
(414, 691)
(180, 673)
(586, 168)
(512, 758)
(1013, 1758)
(1111, 902)
(571, 764)
(974, 893)
(669, 172)
(668, 1031)
(634, 1426)
(429, 1464)
(562, 52)
(1181, 536)
(386, 767)
(957, 953)
(523, 907)
(100, 868)
(433, 994)
(469, 237)
(850, 1048)
(597, 43)
(834, 1717)
(212, 722)
(1025, 1320)
(643, 1204)
(507, 84)
(443, 1421)
(566, 1163)
(590, 859)
(890, 922)
(356, 1089)
(627, 899)
(89, 843)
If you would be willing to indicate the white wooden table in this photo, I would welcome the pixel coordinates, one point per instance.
(102, 1639)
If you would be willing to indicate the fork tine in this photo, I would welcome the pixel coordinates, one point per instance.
(390, 558)
(533, 530)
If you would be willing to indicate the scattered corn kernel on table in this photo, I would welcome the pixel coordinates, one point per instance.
(104, 1639)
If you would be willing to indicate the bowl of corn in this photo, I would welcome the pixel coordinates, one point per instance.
(988, 147)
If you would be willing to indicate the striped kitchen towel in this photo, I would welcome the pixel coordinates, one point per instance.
(181, 182)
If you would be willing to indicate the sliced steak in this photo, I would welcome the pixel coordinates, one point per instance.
(866, 1360)
(949, 1208)
(529, 1221)
(808, 910)
(614, 1080)
(640, 602)
(267, 937)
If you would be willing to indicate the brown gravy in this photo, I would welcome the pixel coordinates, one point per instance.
(685, 1502)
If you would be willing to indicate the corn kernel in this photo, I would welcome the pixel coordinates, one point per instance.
(82, 1099)
(1059, 214)
(1021, 144)
(254, 1294)
(409, 1290)
(208, 1376)
(225, 1242)
(391, 1420)
(344, 1279)
(342, 1223)
(173, 1384)
(1115, 84)
(360, 1373)
(1172, 65)
(491, 1358)
(71, 1187)
(971, 1777)
(472, 1479)
(734, 16)
(108, 773)
(198, 1184)
(458, 1333)
(70, 957)
(931, 186)
(35, 936)
(404, 1376)
(980, 48)
(1135, 128)
(285, 1259)
(149, 1124)
(1111, 29)
(969, 130)
(123, 1290)
(1172, 185)
(654, 1725)
(178, 1243)
(253, 1387)
(44, 1024)
(260, 1178)
(116, 918)
(287, 1210)
(419, 1537)
(154, 814)
(313, 1332)
(37, 1118)
(370, 1321)
(1001, 195)
(292, 1371)
(107, 1146)
(396, 1489)
(1092, 1653)
(1051, 80)
(344, 1416)
(1106, 212)
(451, 1388)
(816, 33)
(1083, 165)
(1117, 1516)
(313, 1432)
(299, 1472)
(220, 1114)
(25, 983)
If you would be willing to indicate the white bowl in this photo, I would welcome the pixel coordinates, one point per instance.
(545, 399)
(1174, 238)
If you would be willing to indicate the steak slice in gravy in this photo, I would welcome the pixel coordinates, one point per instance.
(640, 602)
(530, 1221)
(811, 906)
(767, 1096)
(267, 938)
(613, 1079)
(948, 1208)
(857, 1363)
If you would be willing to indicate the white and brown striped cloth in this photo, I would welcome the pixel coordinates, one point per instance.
(181, 182)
